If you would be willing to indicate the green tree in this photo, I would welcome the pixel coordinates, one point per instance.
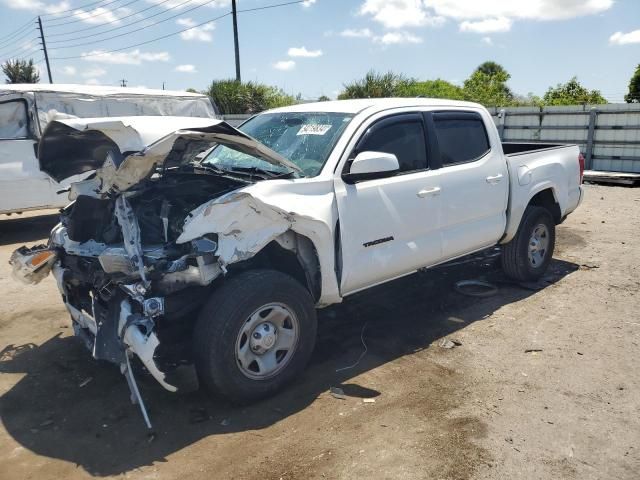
(20, 71)
(437, 88)
(323, 98)
(634, 88)
(488, 85)
(232, 96)
(376, 85)
(191, 90)
(489, 90)
(572, 93)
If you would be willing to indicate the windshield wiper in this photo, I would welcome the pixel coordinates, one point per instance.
(256, 171)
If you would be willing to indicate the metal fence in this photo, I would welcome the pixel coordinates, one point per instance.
(608, 135)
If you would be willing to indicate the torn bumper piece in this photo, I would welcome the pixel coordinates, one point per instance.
(115, 332)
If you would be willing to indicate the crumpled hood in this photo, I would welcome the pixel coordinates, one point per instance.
(136, 146)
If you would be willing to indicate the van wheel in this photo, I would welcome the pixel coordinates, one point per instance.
(526, 257)
(254, 335)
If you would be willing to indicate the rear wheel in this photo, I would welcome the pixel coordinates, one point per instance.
(527, 256)
(254, 335)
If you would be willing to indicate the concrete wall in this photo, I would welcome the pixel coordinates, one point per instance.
(608, 135)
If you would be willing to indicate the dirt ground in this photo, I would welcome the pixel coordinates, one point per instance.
(545, 383)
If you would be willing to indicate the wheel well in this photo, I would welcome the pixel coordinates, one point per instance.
(292, 254)
(546, 199)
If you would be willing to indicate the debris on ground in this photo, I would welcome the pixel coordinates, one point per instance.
(226, 422)
(338, 393)
(475, 288)
(368, 400)
(533, 350)
(588, 266)
(85, 382)
(450, 343)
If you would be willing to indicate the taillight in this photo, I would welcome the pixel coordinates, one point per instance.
(581, 162)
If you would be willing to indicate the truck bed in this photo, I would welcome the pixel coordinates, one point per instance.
(516, 148)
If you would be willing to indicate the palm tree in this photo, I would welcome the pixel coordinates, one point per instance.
(20, 71)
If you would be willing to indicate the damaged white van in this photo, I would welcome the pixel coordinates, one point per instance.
(215, 245)
(27, 109)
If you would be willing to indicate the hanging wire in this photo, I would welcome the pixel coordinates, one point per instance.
(84, 19)
(133, 23)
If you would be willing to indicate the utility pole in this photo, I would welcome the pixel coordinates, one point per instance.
(123, 82)
(235, 38)
(44, 47)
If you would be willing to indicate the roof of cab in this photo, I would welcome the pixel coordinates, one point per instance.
(375, 104)
(95, 90)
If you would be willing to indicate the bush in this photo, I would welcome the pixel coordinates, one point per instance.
(232, 96)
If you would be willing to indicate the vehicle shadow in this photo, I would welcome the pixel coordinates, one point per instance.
(26, 229)
(72, 408)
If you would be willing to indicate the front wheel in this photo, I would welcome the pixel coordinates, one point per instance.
(254, 335)
(527, 256)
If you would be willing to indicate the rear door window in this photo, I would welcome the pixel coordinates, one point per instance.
(461, 137)
(14, 122)
(402, 135)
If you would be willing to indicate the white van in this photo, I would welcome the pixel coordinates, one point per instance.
(26, 109)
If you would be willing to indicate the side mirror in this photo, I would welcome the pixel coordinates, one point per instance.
(371, 165)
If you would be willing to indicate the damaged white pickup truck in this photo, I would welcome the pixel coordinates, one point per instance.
(214, 245)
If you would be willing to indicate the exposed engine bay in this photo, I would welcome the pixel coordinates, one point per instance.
(132, 256)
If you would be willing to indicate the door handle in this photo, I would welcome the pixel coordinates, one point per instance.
(429, 192)
(494, 178)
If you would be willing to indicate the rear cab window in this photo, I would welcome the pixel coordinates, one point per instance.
(461, 136)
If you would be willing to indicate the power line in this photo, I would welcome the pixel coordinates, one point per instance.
(17, 39)
(266, 7)
(133, 23)
(143, 43)
(15, 32)
(55, 25)
(70, 10)
(27, 50)
(162, 37)
(115, 21)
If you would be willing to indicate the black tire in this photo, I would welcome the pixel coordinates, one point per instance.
(515, 254)
(224, 315)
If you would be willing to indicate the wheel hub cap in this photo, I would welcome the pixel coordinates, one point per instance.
(267, 341)
(538, 245)
(263, 338)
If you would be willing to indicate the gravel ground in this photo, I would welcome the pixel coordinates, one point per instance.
(545, 383)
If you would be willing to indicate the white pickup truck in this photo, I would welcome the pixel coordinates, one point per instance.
(26, 109)
(225, 241)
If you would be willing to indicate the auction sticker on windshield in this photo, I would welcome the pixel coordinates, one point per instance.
(313, 129)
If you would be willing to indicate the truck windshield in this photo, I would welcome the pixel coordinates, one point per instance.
(305, 139)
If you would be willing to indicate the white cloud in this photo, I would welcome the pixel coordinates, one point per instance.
(530, 9)
(200, 34)
(38, 6)
(308, 3)
(620, 38)
(397, 38)
(489, 25)
(303, 52)
(96, 16)
(284, 65)
(356, 33)
(180, 4)
(415, 13)
(69, 70)
(94, 72)
(399, 13)
(188, 68)
(487, 40)
(133, 57)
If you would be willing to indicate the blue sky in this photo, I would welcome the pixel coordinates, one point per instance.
(315, 46)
